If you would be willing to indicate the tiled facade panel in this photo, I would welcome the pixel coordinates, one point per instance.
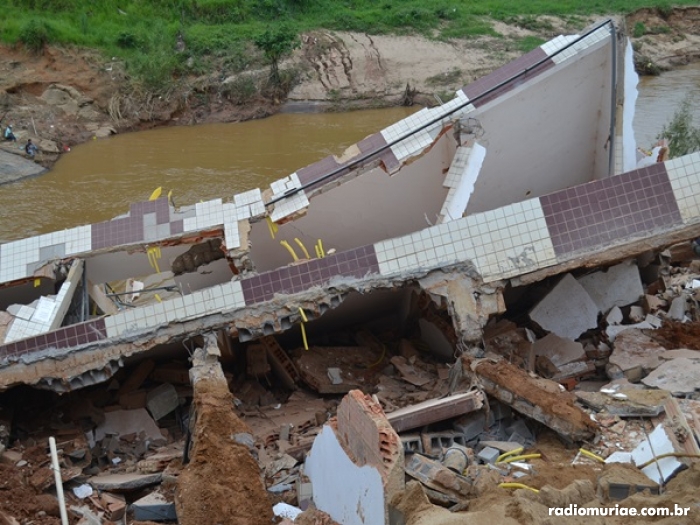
(483, 85)
(355, 263)
(67, 337)
(604, 211)
(684, 174)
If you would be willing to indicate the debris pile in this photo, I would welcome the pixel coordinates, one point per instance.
(584, 391)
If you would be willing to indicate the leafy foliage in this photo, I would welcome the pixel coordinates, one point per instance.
(275, 44)
(682, 136)
(36, 34)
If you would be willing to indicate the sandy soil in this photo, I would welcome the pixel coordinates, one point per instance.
(67, 96)
(221, 483)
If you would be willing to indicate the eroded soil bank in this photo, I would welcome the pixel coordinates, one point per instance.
(67, 96)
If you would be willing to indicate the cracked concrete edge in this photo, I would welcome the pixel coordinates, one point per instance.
(77, 367)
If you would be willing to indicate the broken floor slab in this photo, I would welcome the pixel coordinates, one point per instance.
(567, 310)
(627, 403)
(634, 355)
(678, 376)
(559, 350)
(619, 285)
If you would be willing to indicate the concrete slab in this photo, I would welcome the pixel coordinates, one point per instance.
(635, 354)
(162, 400)
(567, 310)
(678, 376)
(122, 422)
(559, 350)
(124, 482)
(154, 507)
(620, 285)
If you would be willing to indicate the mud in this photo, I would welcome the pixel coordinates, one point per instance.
(222, 482)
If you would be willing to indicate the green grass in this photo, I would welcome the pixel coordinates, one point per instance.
(144, 33)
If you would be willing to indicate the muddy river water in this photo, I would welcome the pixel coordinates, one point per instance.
(98, 180)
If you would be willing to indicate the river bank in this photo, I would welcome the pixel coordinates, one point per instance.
(66, 96)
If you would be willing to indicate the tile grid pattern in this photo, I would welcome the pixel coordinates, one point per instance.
(501, 243)
(356, 263)
(684, 176)
(607, 210)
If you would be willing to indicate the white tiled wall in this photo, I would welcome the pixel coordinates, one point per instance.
(684, 174)
(222, 297)
(292, 204)
(559, 42)
(502, 243)
(249, 204)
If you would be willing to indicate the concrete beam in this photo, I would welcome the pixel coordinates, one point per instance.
(539, 399)
(435, 410)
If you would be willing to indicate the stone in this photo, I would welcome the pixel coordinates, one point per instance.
(162, 400)
(567, 310)
(473, 425)
(635, 354)
(636, 314)
(123, 422)
(614, 316)
(678, 376)
(559, 350)
(154, 507)
(124, 482)
(652, 303)
(334, 374)
(678, 308)
(488, 455)
(620, 285)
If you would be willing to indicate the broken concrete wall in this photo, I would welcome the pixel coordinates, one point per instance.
(460, 180)
(357, 465)
(371, 207)
(532, 153)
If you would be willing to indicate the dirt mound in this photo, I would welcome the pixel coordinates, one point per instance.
(222, 482)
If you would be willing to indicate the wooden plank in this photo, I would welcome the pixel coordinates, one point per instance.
(435, 410)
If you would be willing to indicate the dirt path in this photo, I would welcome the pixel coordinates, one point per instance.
(67, 96)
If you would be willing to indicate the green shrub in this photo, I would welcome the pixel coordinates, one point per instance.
(127, 40)
(683, 137)
(639, 30)
(36, 34)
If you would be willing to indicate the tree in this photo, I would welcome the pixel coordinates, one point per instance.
(275, 45)
(683, 138)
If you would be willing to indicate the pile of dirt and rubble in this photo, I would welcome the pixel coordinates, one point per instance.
(572, 386)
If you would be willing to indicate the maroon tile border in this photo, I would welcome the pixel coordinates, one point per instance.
(129, 230)
(513, 69)
(317, 175)
(66, 337)
(297, 278)
(599, 212)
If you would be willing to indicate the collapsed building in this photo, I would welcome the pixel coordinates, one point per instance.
(436, 228)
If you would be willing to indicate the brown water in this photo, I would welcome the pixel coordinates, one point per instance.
(659, 98)
(99, 180)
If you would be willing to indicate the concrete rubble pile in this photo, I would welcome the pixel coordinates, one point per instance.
(593, 376)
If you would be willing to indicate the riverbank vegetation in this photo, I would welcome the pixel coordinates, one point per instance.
(161, 40)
